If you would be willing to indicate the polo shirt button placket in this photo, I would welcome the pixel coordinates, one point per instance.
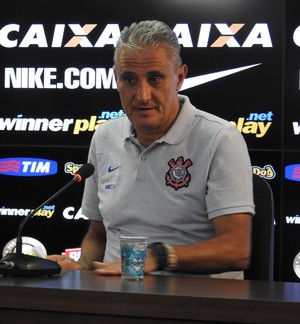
(142, 168)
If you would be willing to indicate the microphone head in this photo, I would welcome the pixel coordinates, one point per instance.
(84, 172)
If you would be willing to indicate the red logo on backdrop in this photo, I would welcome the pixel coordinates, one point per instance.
(73, 253)
(178, 176)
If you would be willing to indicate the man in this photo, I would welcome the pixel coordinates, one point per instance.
(166, 170)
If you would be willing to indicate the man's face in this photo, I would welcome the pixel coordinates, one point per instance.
(148, 83)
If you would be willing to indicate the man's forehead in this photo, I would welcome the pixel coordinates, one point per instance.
(152, 60)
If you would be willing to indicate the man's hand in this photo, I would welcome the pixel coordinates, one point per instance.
(114, 268)
(65, 262)
(109, 269)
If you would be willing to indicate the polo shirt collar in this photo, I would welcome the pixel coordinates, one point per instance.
(182, 123)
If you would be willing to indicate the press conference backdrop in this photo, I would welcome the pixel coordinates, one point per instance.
(57, 86)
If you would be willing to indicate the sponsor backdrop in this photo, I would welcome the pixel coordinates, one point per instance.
(290, 185)
(57, 86)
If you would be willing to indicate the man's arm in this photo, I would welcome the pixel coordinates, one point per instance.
(92, 248)
(229, 250)
(93, 245)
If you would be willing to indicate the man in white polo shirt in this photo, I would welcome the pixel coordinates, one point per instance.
(165, 170)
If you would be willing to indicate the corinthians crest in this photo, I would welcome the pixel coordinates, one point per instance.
(178, 175)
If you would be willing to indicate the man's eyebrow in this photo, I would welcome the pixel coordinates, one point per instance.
(124, 73)
(155, 72)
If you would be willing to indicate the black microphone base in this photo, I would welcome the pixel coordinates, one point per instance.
(23, 265)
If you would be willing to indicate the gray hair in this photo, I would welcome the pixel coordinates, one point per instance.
(148, 33)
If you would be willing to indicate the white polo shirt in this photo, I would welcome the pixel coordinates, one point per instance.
(200, 169)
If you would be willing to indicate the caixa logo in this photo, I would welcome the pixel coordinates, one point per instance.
(27, 167)
(292, 172)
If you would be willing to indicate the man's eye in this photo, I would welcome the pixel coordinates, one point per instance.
(155, 79)
(129, 79)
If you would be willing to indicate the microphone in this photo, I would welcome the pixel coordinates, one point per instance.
(20, 264)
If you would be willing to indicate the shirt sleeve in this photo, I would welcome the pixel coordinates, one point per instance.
(90, 199)
(229, 187)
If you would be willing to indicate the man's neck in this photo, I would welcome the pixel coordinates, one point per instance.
(148, 136)
(147, 139)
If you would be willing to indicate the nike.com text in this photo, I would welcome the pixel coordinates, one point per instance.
(47, 78)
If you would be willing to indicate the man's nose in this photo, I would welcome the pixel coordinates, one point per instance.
(143, 93)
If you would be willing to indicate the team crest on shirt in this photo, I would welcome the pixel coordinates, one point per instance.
(178, 175)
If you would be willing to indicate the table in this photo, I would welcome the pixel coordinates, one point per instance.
(83, 297)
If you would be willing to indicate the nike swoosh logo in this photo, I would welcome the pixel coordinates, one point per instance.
(111, 169)
(201, 79)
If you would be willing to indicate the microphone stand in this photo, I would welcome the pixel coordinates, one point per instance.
(19, 242)
(20, 264)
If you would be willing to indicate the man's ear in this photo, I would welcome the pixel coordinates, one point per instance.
(182, 72)
(115, 75)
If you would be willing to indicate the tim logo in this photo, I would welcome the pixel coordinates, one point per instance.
(292, 172)
(27, 167)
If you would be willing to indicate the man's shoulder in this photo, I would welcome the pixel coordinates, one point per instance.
(112, 130)
(112, 124)
(203, 115)
(211, 118)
